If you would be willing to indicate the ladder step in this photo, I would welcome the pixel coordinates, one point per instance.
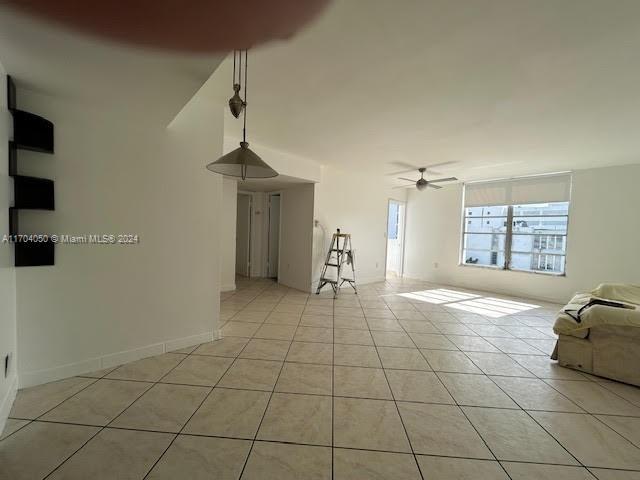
(332, 265)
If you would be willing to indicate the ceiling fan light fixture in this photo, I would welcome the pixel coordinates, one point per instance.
(423, 183)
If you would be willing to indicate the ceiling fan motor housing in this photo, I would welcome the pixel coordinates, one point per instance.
(421, 184)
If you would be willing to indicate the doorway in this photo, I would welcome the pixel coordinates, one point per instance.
(273, 240)
(243, 234)
(395, 238)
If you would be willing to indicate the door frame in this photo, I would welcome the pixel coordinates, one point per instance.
(386, 233)
(268, 259)
(249, 234)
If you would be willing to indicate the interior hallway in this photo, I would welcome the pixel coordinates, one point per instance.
(409, 379)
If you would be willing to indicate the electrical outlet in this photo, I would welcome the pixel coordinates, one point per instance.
(435, 264)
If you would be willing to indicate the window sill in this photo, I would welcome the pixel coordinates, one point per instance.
(497, 268)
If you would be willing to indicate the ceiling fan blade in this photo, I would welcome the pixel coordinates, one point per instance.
(407, 179)
(406, 166)
(441, 164)
(433, 186)
(405, 186)
(432, 169)
(448, 179)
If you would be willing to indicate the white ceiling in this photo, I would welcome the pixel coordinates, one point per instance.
(503, 87)
(46, 59)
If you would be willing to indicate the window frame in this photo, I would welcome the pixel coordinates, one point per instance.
(509, 242)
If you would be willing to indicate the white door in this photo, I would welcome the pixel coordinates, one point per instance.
(274, 235)
(395, 238)
(243, 235)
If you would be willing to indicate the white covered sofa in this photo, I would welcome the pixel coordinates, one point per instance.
(606, 341)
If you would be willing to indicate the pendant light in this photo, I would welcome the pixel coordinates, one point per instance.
(241, 162)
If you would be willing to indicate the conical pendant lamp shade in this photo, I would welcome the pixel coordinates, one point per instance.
(243, 163)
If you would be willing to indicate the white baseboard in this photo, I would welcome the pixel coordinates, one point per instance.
(7, 402)
(118, 358)
(38, 377)
(185, 342)
(231, 287)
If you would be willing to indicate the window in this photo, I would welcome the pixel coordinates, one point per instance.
(525, 236)
(392, 226)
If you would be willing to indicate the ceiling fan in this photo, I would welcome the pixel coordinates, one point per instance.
(421, 183)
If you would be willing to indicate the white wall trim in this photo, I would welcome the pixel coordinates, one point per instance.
(7, 402)
(38, 377)
(231, 287)
(185, 342)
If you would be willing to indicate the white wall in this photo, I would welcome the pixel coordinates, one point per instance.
(296, 236)
(7, 271)
(229, 211)
(355, 202)
(603, 239)
(121, 172)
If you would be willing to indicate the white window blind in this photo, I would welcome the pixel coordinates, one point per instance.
(519, 191)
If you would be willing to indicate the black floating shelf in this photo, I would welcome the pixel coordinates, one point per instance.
(33, 193)
(13, 159)
(13, 221)
(34, 254)
(32, 132)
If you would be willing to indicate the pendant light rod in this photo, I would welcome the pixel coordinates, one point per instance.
(244, 110)
(233, 81)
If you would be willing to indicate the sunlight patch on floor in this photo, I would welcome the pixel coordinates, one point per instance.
(470, 302)
(438, 296)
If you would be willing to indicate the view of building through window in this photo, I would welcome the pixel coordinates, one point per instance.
(517, 237)
(392, 226)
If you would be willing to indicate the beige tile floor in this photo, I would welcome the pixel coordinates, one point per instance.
(406, 380)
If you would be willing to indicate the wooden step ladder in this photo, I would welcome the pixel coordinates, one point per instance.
(337, 256)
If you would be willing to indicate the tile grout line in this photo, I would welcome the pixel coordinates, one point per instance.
(349, 448)
(452, 397)
(56, 406)
(527, 411)
(198, 408)
(333, 376)
(192, 414)
(406, 433)
(271, 393)
(103, 427)
(529, 415)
